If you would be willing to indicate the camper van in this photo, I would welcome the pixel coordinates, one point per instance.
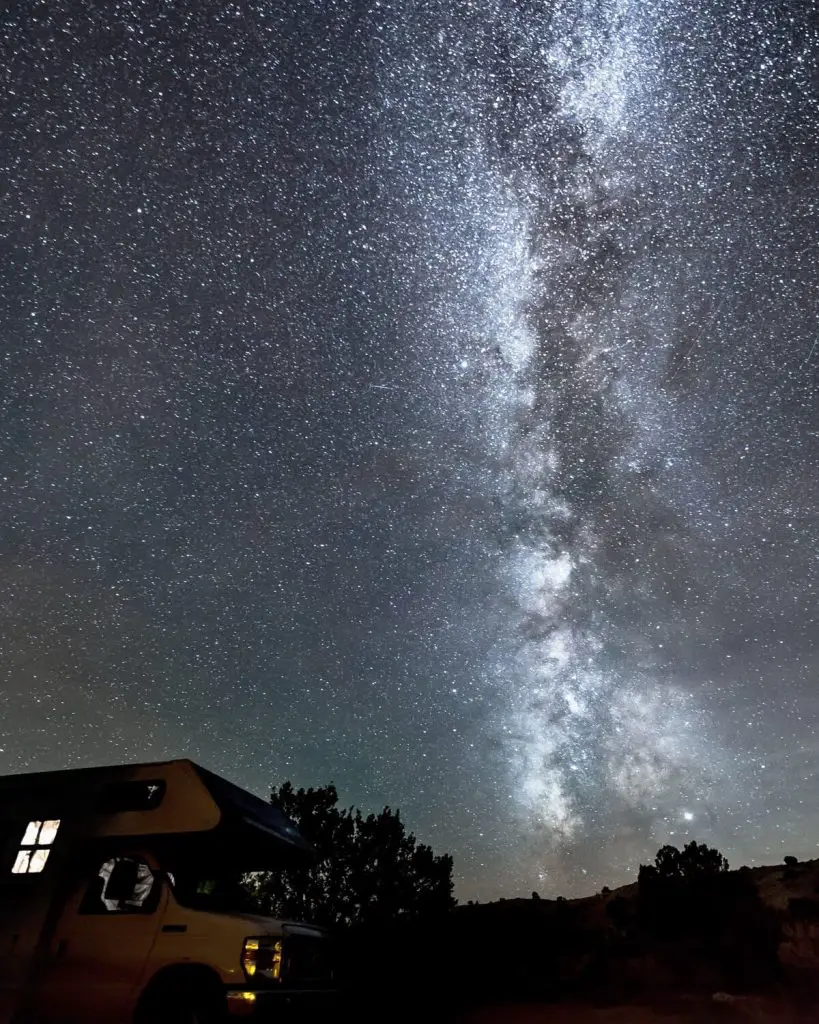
(121, 901)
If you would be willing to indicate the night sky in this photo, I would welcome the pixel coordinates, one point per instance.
(421, 395)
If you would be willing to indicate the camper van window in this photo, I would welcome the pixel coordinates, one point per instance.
(35, 847)
(123, 885)
(221, 892)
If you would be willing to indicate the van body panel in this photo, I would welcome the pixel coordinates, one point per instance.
(94, 961)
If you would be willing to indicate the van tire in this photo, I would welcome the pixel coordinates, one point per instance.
(186, 998)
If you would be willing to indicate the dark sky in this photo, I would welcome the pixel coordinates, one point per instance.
(421, 395)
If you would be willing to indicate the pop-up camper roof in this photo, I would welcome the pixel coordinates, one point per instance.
(160, 799)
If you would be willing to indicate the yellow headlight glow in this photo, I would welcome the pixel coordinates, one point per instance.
(262, 956)
(241, 1004)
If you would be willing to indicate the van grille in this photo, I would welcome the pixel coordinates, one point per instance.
(307, 961)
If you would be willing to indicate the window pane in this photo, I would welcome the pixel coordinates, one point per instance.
(48, 832)
(37, 862)
(144, 885)
(31, 833)
(21, 864)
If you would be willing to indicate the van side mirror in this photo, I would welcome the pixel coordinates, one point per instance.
(122, 880)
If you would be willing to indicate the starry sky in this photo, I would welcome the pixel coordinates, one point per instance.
(421, 395)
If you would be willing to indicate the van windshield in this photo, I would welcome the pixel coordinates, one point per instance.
(218, 892)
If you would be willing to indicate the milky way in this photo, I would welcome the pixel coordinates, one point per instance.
(421, 396)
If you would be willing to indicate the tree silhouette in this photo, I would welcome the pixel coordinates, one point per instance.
(367, 870)
(695, 860)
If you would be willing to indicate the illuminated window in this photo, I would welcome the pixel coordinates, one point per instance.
(35, 847)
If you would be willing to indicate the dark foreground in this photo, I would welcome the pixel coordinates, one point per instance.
(739, 946)
(720, 1007)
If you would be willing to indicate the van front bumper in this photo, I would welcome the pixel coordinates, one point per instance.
(281, 1003)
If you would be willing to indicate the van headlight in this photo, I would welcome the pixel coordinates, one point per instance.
(262, 957)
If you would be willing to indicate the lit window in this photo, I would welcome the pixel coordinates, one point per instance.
(38, 859)
(22, 862)
(31, 833)
(35, 847)
(48, 833)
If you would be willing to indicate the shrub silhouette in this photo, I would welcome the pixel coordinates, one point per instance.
(689, 895)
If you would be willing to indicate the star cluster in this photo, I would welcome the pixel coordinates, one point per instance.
(421, 396)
